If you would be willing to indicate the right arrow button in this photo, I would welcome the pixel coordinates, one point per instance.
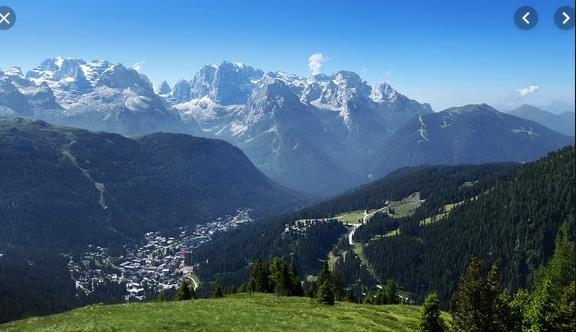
(564, 17)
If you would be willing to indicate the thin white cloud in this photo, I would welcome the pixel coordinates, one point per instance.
(137, 66)
(315, 62)
(525, 91)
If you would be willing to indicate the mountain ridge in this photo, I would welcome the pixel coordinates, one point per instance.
(562, 122)
(114, 177)
(321, 134)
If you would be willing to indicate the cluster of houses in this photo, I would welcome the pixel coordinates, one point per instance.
(158, 264)
(302, 225)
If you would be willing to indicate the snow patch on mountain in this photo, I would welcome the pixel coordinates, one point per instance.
(526, 131)
(422, 130)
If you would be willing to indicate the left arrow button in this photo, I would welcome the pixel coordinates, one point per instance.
(526, 17)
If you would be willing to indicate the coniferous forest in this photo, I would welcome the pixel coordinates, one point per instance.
(508, 215)
(492, 244)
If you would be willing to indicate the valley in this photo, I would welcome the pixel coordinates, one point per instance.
(417, 226)
(97, 217)
(135, 212)
(158, 264)
(287, 166)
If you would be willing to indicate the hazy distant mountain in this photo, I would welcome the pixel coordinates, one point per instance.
(12, 101)
(314, 134)
(471, 134)
(560, 106)
(562, 123)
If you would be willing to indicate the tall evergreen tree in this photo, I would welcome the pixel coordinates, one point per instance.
(217, 290)
(477, 304)
(183, 292)
(325, 293)
(553, 307)
(430, 320)
(337, 285)
(275, 270)
(259, 280)
(324, 274)
(297, 289)
(283, 283)
(390, 292)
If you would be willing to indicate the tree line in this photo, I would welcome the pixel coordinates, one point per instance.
(480, 303)
(512, 222)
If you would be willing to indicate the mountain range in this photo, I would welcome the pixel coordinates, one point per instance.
(562, 122)
(321, 134)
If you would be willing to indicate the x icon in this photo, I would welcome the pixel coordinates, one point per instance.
(4, 18)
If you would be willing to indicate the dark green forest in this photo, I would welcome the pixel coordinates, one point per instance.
(513, 223)
(508, 214)
(48, 193)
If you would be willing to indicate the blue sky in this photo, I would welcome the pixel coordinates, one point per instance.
(441, 52)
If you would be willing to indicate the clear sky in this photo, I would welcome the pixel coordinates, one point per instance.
(437, 51)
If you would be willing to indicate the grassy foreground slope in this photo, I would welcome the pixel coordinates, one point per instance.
(240, 312)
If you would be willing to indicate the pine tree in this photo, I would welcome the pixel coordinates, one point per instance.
(183, 292)
(325, 293)
(541, 315)
(518, 307)
(389, 292)
(478, 305)
(430, 319)
(324, 274)
(337, 285)
(552, 306)
(259, 280)
(468, 304)
(217, 291)
(283, 284)
(497, 304)
(512, 310)
(297, 289)
(276, 267)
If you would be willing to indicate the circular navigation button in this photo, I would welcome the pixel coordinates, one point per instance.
(526, 18)
(564, 17)
(7, 18)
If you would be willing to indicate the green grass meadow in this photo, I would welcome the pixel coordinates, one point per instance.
(241, 312)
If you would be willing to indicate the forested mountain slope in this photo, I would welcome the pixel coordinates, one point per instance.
(64, 189)
(508, 214)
